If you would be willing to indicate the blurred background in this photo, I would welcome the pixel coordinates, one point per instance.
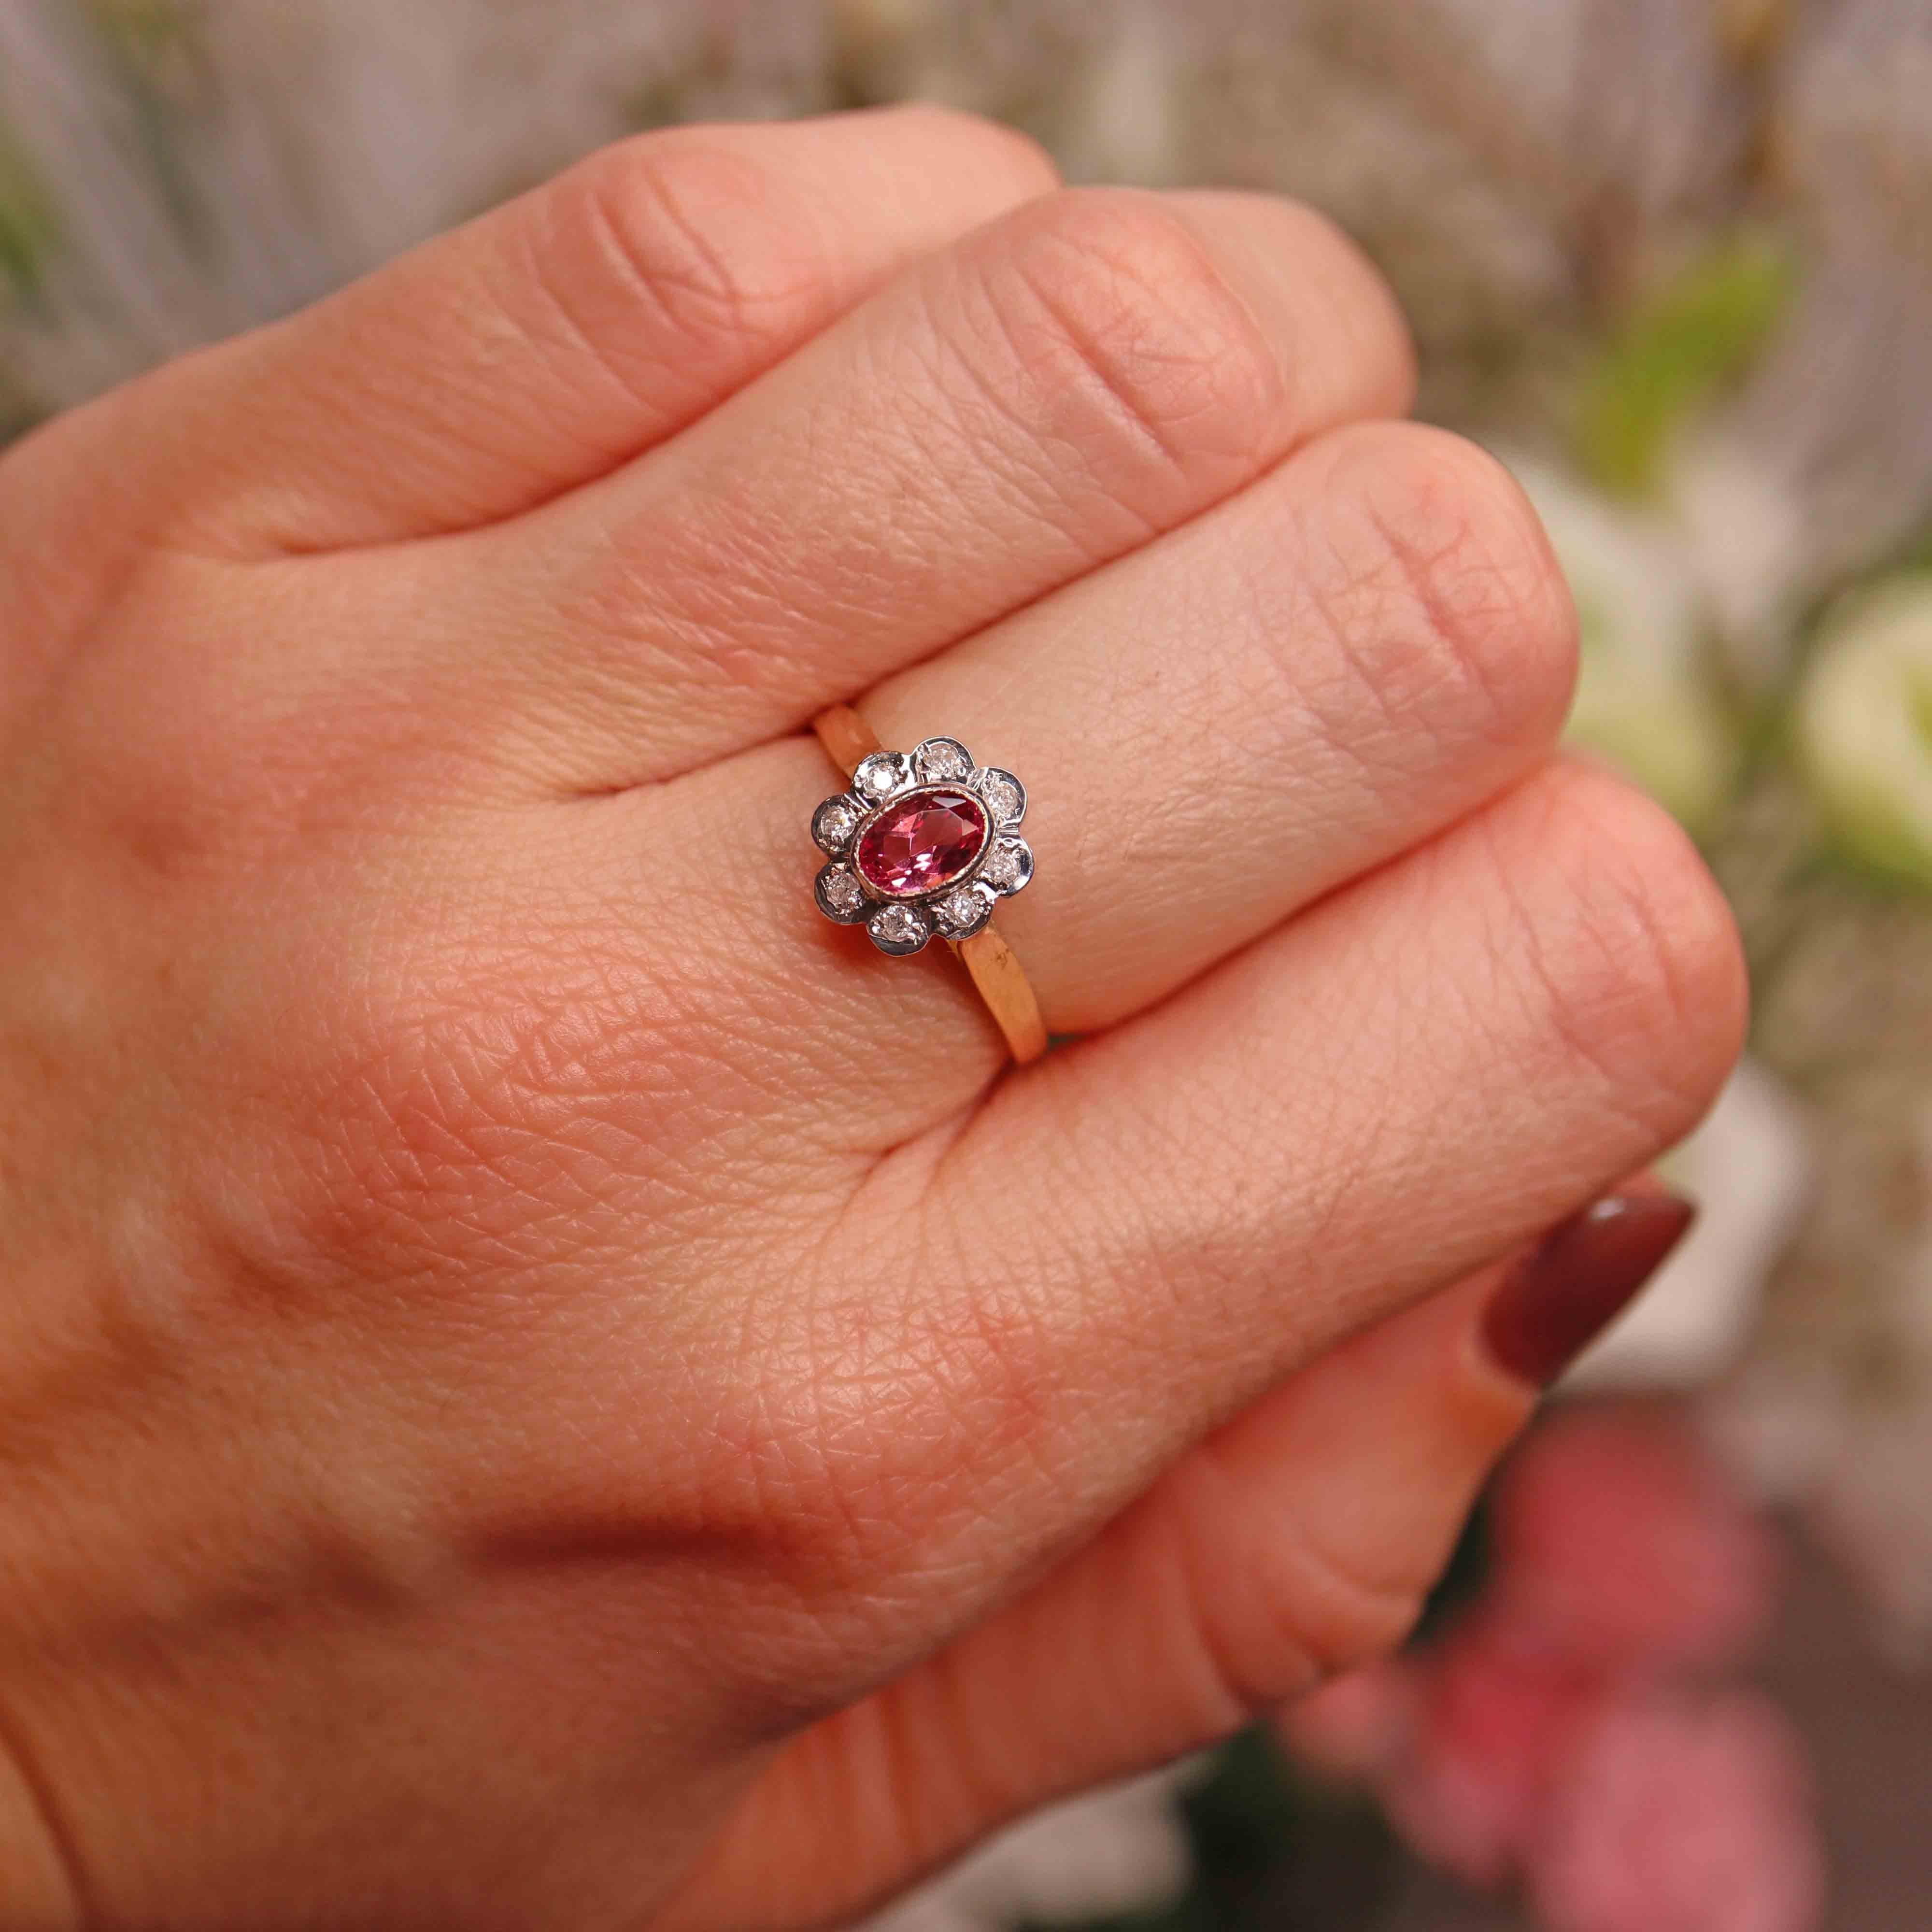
(1672, 259)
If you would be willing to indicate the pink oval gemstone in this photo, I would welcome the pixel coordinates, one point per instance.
(921, 842)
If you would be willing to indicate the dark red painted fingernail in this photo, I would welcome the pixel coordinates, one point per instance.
(1583, 1273)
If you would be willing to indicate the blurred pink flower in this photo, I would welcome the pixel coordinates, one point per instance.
(1621, 1540)
(1681, 1816)
(1498, 1719)
(1357, 1726)
(1556, 1737)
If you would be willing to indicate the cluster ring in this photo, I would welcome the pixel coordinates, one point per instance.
(925, 844)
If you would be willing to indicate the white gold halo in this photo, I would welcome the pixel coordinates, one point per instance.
(955, 907)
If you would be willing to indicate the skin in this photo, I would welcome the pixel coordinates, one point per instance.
(542, 1383)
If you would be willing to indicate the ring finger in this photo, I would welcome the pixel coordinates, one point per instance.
(1217, 730)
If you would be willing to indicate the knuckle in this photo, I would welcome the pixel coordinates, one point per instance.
(1342, 1615)
(1442, 576)
(1115, 309)
(686, 229)
(1349, 350)
(1636, 948)
(1302, 1612)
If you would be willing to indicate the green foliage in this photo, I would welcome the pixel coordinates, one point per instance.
(154, 48)
(1240, 1820)
(1917, 554)
(1462, 1578)
(1269, 1852)
(1673, 352)
(29, 226)
(1272, 1850)
(150, 36)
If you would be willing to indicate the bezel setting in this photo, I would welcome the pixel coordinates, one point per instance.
(899, 923)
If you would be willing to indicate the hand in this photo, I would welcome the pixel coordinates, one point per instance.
(541, 1382)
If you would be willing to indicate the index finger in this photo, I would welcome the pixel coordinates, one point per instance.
(554, 337)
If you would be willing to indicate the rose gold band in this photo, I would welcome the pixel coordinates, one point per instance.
(995, 971)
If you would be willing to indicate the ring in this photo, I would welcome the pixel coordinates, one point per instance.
(925, 844)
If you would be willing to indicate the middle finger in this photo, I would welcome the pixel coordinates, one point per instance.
(1079, 376)
(1296, 688)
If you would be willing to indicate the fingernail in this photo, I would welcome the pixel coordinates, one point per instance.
(1583, 1274)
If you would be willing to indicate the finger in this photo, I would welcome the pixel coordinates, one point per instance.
(1218, 730)
(1095, 367)
(1299, 1541)
(1354, 653)
(1398, 1085)
(1405, 1082)
(554, 338)
(1392, 1088)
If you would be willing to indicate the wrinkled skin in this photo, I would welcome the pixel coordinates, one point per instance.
(542, 1383)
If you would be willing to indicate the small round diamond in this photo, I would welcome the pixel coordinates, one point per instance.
(1009, 865)
(962, 911)
(899, 928)
(840, 895)
(881, 774)
(1005, 796)
(941, 758)
(833, 824)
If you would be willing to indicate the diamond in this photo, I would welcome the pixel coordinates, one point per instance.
(1009, 865)
(921, 842)
(881, 774)
(833, 824)
(941, 758)
(1005, 796)
(840, 896)
(897, 928)
(962, 910)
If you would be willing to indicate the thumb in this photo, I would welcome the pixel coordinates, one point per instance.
(1296, 1543)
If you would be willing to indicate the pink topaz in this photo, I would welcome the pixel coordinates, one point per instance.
(921, 842)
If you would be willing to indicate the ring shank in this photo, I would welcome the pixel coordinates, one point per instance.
(991, 963)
